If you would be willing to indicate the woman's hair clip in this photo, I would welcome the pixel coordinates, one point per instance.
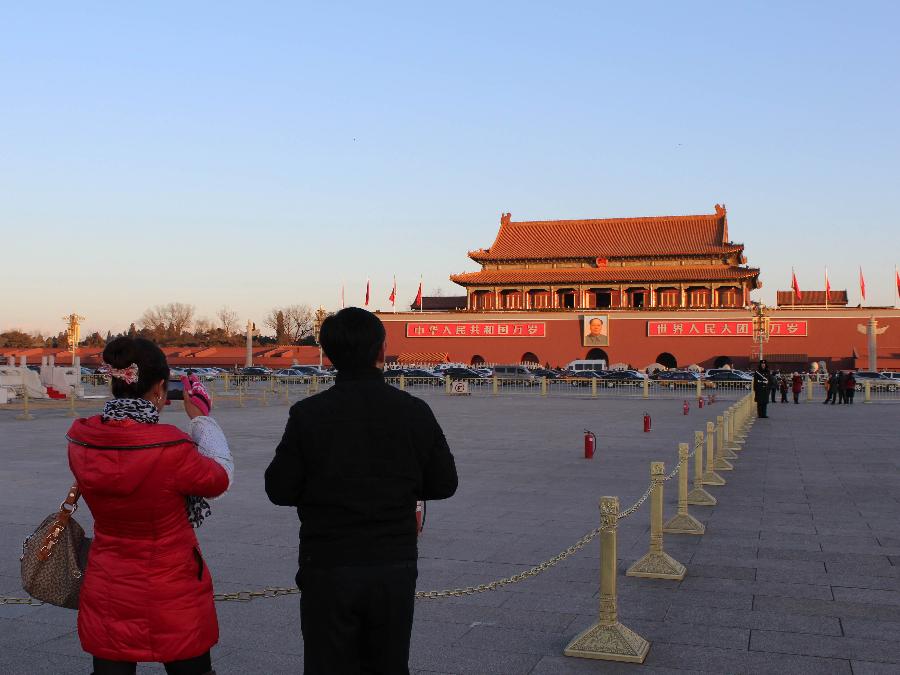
(129, 375)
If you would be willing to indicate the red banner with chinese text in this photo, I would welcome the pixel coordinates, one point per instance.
(448, 329)
(777, 328)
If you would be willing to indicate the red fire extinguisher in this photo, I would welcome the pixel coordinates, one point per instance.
(699, 401)
(590, 444)
(686, 407)
(646, 422)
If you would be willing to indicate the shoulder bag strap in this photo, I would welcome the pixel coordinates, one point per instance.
(66, 509)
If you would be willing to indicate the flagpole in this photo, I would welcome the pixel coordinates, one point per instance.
(826, 289)
(422, 299)
(793, 287)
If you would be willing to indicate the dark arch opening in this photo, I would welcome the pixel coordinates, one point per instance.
(477, 360)
(595, 354)
(529, 357)
(667, 360)
(721, 362)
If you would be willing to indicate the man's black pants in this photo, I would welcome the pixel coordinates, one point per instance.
(357, 619)
(761, 405)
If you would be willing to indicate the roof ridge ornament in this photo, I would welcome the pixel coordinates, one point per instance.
(721, 210)
(505, 218)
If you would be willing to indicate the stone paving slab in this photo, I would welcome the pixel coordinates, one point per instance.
(798, 571)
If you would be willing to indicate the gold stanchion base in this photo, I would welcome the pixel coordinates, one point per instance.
(609, 643)
(728, 453)
(712, 478)
(700, 497)
(657, 565)
(721, 464)
(683, 523)
(25, 416)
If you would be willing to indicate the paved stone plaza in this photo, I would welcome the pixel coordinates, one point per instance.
(799, 570)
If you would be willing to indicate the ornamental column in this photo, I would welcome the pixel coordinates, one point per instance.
(682, 296)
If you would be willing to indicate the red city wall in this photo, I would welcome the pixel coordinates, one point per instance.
(832, 337)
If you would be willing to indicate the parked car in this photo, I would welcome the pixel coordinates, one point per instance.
(675, 378)
(729, 379)
(622, 378)
(515, 375)
(459, 373)
(891, 375)
(549, 373)
(877, 381)
(581, 378)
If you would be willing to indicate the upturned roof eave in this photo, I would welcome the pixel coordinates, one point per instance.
(484, 256)
(747, 273)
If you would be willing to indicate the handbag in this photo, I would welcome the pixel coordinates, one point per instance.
(54, 557)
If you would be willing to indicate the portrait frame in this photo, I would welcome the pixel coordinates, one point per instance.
(589, 336)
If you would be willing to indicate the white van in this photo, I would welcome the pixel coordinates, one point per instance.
(514, 374)
(587, 364)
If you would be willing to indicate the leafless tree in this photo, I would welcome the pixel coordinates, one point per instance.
(203, 325)
(297, 321)
(229, 320)
(173, 319)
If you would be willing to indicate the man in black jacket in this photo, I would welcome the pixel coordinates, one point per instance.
(761, 388)
(354, 460)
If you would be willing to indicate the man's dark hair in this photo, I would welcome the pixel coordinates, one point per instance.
(352, 338)
(150, 360)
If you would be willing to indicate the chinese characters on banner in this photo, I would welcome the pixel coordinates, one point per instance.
(476, 329)
(779, 328)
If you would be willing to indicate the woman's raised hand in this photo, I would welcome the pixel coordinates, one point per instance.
(197, 401)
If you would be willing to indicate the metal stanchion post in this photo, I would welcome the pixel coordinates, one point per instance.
(728, 448)
(711, 477)
(656, 563)
(699, 388)
(809, 392)
(721, 463)
(608, 639)
(26, 415)
(646, 387)
(868, 386)
(683, 522)
(72, 412)
(402, 382)
(593, 387)
(495, 386)
(447, 384)
(544, 385)
(241, 394)
(227, 378)
(698, 496)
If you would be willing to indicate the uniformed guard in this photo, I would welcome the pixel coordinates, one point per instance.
(761, 388)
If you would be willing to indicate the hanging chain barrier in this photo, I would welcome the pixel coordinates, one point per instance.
(279, 591)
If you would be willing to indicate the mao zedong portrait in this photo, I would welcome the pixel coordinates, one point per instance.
(596, 332)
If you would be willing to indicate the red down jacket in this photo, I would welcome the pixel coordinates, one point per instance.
(147, 594)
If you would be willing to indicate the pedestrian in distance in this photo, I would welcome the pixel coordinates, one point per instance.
(761, 388)
(783, 387)
(147, 594)
(354, 460)
(829, 390)
(773, 385)
(796, 386)
(835, 386)
(849, 388)
(841, 387)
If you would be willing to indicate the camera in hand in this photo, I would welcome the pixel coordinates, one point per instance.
(176, 389)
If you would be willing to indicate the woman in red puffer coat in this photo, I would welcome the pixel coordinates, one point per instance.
(147, 594)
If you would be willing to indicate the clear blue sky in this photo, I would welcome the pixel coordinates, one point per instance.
(260, 154)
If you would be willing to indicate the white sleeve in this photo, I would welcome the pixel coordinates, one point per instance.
(210, 440)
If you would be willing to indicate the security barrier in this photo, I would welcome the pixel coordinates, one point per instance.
(607, 638)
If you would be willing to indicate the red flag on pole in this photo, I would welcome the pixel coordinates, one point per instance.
(897, 278)
(342, 296)
(367, 293)
(393, 296)
(862, 284)
(827, 285)
(419, 296)
(795, 285)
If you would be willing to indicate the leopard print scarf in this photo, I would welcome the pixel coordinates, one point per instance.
(141, 410)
